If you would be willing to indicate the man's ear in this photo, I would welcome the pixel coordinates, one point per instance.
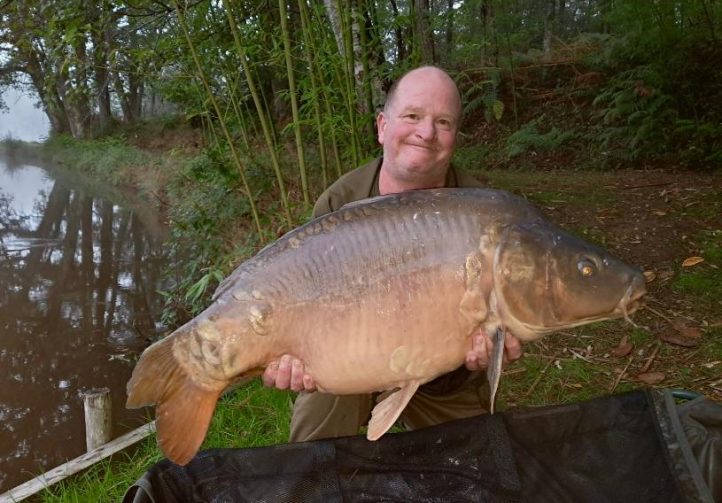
(380, 126)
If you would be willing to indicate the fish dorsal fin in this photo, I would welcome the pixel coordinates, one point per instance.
(366, 201)
(493, 371)
(388, 410)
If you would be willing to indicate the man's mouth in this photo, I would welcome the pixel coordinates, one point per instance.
(421, 146)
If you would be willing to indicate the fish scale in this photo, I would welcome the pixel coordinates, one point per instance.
(385, 293)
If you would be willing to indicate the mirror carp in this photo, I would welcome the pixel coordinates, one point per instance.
(385, 293)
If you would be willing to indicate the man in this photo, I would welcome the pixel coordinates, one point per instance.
(417, 130)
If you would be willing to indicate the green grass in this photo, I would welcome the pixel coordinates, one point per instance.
(250, 416)
(107, 157)
(704, 281)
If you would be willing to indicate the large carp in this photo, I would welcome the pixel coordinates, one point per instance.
(384, 293)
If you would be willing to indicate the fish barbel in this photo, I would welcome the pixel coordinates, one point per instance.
(384, 293)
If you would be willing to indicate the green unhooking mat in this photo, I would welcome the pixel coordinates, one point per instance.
(634, 447)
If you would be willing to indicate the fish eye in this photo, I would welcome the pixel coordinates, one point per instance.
(587, 268)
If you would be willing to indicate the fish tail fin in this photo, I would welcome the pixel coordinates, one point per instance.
(183, 407)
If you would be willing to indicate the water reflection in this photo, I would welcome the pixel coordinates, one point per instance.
(79, 277)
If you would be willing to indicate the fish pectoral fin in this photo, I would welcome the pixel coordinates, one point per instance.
(493, 371)
(183, 407)
(388, 410)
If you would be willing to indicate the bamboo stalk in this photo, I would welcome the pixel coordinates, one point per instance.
(261, 111)
(349, 79)
(294, 102)
(226, 133)
(308, 51)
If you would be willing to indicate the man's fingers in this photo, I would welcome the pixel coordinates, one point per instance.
(269, 374)
(478, 357)
(308, 383)
(512, 348)
(283, 376)
(296, 381)
(482, 347)
(288, 373)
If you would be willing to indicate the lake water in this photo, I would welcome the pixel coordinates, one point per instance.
(80, 268)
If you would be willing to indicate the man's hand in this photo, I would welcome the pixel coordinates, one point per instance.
(288, 373)
(481, 347)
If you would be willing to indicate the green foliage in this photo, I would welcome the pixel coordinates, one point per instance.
(105, 158)
(472, 157)
(528, 137)
(482, 93)
(664, 97)
(702, 143)
(199, 234)
(634, 115)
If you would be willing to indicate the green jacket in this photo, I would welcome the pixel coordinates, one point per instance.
(363, 182)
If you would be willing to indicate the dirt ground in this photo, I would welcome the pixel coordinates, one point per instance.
(670, 223)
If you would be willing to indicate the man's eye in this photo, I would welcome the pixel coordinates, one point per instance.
(445, 123)
(411, 117)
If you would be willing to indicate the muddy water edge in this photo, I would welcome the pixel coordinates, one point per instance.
(81, 265)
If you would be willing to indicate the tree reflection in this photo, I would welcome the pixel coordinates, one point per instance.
(78, 295)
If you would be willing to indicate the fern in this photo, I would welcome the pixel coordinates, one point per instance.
(528, 137)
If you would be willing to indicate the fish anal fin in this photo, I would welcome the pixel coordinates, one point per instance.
(388, 410)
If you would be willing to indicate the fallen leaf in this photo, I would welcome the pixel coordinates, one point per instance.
(665, 275)
(686, 330)
(678, 340)
(623, 349)
(651, 377)
(692, 261)
(659, 213)
(649, 276)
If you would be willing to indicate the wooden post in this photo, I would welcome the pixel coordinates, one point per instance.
(98, 411)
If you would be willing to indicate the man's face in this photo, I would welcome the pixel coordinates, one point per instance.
(418, 130)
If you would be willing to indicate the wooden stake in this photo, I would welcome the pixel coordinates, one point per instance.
(98, 416)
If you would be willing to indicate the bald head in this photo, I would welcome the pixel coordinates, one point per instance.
(442, 81)
(417, 130)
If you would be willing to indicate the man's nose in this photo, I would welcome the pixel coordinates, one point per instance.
(426, 129)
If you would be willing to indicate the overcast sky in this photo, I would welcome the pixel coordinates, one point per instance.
(23, 121)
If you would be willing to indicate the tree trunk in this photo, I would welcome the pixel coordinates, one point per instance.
(102, 37)
(334, 17)
(125, 105)
(423, 38)
(449, 39)
(399, 37)
(487, 20)
(549, 19)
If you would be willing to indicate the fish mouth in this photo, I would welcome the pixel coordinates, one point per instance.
(631, 300)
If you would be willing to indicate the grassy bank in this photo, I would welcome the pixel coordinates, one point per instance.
(247, 417)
